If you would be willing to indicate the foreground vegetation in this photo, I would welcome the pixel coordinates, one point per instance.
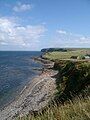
(72, 79)
(79, 109)
(72, 101)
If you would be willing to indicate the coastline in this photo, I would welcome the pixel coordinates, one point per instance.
(34, 96)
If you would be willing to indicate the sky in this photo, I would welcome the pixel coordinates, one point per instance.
(35, 24)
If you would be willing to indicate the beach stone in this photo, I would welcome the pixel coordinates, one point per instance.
(33, 97)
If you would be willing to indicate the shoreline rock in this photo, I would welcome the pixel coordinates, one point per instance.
(34, 96)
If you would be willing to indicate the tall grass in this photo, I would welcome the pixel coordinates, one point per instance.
(79, 109)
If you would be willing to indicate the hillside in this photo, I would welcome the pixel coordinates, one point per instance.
(72, 99)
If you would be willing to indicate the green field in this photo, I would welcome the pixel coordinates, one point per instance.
(66, 55)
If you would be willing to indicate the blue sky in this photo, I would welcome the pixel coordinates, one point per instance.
(36, 24)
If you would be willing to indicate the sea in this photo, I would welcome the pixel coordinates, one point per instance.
(17, 69)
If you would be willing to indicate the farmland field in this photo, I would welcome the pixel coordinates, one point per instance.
(57, 55)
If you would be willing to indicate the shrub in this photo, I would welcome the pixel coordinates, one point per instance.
(72, 79)
(81, 57)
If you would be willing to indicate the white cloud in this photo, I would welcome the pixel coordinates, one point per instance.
(12, 33)
(63, 39)
(83, 38)
(22, 7)
(61, 32)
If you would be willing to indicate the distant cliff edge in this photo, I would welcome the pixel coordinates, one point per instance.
(53, 49)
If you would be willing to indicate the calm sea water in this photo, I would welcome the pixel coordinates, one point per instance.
(16, 70)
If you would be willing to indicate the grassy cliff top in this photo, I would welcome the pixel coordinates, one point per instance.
(57, 55)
